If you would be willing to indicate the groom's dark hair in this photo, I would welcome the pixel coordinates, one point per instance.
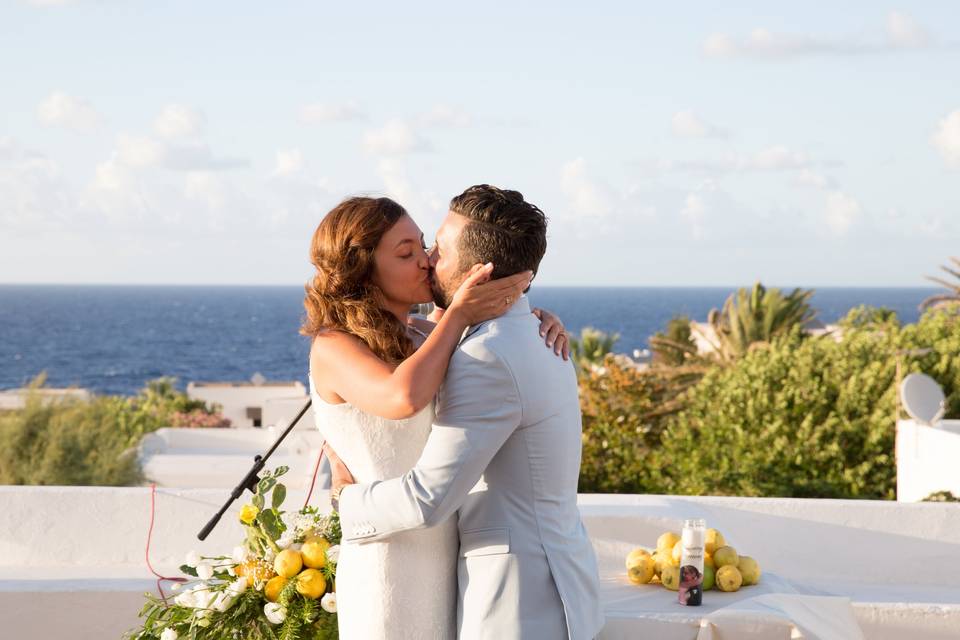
(504, 229)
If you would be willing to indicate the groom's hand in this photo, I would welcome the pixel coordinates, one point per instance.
(340, 475)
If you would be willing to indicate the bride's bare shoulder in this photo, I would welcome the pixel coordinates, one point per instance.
(332, 344)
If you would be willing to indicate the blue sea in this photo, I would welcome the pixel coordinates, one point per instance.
(112, 339)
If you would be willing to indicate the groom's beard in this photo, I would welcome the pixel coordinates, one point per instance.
(440, 296)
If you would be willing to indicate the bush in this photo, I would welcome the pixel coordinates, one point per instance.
(624, 410)
(807, 418)
(85, 442)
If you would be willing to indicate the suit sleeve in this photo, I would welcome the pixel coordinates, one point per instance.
(478, 408)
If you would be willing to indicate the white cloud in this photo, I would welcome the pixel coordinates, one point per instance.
(778, 158)
(775, 158)
(902, 32)
(319, 112)
(139, 151)
(687, 124)
(207, 188)
(842, 212)
(694, 212)
(586, 196)
(813, 179)
(396, 137)
(50, 3)
(443, 115)
(179, 121)
(289, 162)
(62, 110)
(33, 190)
(947, 138)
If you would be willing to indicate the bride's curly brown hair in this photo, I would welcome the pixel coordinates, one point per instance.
(342, 294)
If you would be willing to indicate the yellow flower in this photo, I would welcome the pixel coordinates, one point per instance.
(248, 514)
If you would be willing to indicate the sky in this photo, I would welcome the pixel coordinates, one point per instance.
(670, 144)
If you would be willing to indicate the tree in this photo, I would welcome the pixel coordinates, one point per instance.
(592, 347)
(953, 288)
(758, 316)
(675, 346)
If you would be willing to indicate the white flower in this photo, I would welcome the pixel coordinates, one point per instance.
(193, 559)
(175, 586)
(296, 546)
(231, 571)
(329, 602)
(274, 612)
(169, 634)
(203, 598)
(204, 571)
(185, 599)
(333, 553)
(237, 587)
(240, 553)
(286, 539)
(269, 555)
(224, 601)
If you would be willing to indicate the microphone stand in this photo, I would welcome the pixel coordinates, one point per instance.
(250, 480)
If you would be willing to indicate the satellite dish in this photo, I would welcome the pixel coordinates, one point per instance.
(923, 398)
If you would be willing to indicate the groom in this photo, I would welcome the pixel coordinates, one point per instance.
(504, 450)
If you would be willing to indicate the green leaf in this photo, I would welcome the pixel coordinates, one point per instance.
(279, 495)
(187, 569)
(258, 500)
(270, 524)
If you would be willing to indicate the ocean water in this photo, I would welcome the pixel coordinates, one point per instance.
(112, 339)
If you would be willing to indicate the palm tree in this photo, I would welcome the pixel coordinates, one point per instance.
(592, 347)
(757, 316)
(953, 288)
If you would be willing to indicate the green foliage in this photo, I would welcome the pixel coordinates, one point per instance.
(758, 316)
(624, 410)
(806, 417)
(592, 347)
(952, 294)
(941, 496)
(798, 416)
(84, 442)
(675, 346)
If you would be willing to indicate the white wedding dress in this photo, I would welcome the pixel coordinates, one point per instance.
(406, 586)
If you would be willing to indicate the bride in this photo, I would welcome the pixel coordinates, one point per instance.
(374, 371)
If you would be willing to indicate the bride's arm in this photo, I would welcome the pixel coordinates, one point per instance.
(342, 363)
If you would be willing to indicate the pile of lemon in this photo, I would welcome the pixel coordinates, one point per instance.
(303, 566)
(723, 567)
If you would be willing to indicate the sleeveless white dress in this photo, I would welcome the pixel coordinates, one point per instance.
(406, 586)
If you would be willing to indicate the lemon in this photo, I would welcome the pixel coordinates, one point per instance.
(641, 571)
(670, 577)
(310, 584)
(709, 578)
(658, 557)
(713, 541)
(729, 578)
(274, 586)
(677, 553)
(749, 569)
(708, 560)
(288, 563)
(635, 555)
(725, 556)
(667, 540)
(314, 552)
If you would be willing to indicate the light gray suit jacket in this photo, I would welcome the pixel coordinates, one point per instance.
(505, 451)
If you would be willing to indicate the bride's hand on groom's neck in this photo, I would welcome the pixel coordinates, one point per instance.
(479, 298)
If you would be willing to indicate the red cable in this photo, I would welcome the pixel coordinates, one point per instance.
(316, 468)
(153, 492)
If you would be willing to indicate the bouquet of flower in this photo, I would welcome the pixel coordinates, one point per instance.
(278, 585)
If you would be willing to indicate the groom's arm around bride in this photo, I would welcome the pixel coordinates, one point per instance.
(504, 452)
